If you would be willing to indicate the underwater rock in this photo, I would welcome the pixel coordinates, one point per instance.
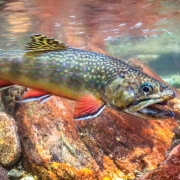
(3, 174)
(168, 169)
(113, 145)
(132, 143)
(15, 174)
(48, 134)
(10, 148)
(10, 97)
(175, 105)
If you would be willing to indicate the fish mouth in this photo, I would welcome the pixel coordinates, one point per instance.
(157, 111)
(150, 108)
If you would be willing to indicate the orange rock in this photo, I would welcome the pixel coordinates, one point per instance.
(112, 145)
(168, 169)
(56, 171)
(10, 148)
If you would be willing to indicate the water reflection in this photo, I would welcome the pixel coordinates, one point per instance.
(78, 22)
(120, 28)
(17, 18)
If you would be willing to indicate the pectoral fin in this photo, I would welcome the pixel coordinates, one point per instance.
(46, 98)
(34, 94)
(88, 107)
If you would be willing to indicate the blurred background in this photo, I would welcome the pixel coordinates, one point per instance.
(143, 29)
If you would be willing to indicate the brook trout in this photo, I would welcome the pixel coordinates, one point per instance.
(94, 80)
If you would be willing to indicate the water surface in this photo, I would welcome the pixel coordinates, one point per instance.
(145, 29)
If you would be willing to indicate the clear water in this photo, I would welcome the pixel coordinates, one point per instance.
(145, 29)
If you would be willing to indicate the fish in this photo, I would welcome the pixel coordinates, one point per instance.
(49, 67)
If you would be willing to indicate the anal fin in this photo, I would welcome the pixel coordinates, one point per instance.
(34, 95)
(88, 106)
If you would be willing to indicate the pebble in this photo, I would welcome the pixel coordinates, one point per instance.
(3, 174)
(10, 148)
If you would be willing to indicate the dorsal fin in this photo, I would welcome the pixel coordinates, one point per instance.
(43, 43)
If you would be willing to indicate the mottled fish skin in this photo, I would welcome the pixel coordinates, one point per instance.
(70, 73)
(75, 69)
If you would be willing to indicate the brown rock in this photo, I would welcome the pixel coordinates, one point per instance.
(10, 148)
(3, 174)
(175, 104)
(168, 170)
(132, 143)
(110, 146)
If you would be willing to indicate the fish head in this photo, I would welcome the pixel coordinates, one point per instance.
(140, 95)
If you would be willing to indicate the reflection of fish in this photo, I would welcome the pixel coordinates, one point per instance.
(94, 80)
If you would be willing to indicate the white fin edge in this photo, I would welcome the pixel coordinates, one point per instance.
(92, 116)
(34, 98)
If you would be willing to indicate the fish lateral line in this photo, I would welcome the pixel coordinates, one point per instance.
(51, 70)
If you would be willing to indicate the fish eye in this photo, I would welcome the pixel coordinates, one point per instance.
(146, 88)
